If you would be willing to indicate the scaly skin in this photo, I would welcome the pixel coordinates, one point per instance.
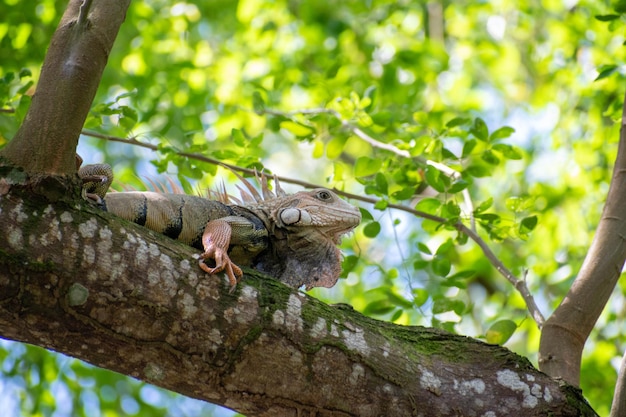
(290, 237)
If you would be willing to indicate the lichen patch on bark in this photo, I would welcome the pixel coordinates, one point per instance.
(530, 395)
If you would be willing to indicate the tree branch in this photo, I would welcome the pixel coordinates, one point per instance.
(93, 286)
(565, 332)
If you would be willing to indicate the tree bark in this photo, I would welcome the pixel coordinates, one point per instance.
(565, 332)
(95, 287)
(46, 141)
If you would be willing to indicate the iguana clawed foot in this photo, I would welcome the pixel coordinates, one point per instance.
(215, 239)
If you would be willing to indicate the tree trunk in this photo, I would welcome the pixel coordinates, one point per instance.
(92, 286)
(46, 141)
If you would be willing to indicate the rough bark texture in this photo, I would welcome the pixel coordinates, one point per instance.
(46, 141)
(95, 287)
(565, 332)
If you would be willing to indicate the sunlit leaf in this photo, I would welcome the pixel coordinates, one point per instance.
(501, 133)
(605, 71)
(457, 121)
(500, 332)
(479, 129)
(508, 151)
(527, 225)
(485, 205)
(366, 166)
(372, 229)
(297, 129)
(429, 205)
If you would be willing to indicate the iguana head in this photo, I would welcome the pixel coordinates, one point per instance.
(318, 209)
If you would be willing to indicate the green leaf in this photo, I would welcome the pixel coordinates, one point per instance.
(451, 210)
(25, 72)
(457, 121)
(528, 225)
(463, 274)
(404, 194)
(258, 104)
(365, 215)
(489, 157)
(468, 147)
(441, 266)
(348, 264)
(423, 248)
(128, 118)
(606, 17)
(22, 108)
(396, 315)
(458, 186)
(502, 133)
(443, 305)
(334, 148)
(366, 166)
(479, 171)
(371, 93)
(381, 183)
(500, 332)
(508, 151)
(488, 217)
(428, 205)
(372, 229)
(238, 137)
(381, 204)
(378, 307)
(605, 71)
(420, 296)
(620, 6)
(298, 129)
(436, 179)
(519, 204)
(484, 206)
(479, 129)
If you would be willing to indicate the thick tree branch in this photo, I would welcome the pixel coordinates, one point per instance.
(566, 331)
(95, 287)
(46, 141)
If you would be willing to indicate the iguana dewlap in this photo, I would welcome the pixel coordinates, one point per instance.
(290, 237)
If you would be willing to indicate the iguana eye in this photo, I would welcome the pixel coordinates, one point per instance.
(324, 195)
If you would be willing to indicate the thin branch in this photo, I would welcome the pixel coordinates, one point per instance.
(618, 408)
(354, 129)
(520, 285)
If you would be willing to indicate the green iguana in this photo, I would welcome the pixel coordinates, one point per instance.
(293, 238)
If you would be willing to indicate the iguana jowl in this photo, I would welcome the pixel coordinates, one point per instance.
(293, 237)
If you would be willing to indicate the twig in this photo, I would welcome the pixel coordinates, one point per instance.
(358, 132)
(520, 285)
(618, 408)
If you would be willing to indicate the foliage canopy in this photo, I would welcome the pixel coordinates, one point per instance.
(497, 114)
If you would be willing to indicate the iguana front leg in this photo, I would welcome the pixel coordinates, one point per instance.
(244, 236)
(216, 240)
